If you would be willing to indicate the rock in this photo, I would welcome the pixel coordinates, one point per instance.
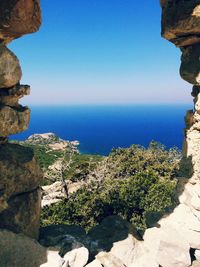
(163, 246)
(10, 70)
(186, 224)
(19, 172)
(94, 263)
(197, 255)
(3, 140)
(10, 96)
(18, 17)
(190, 64)
(23, 214)
(61, 235)
(181, 21)
(76, 258)
(195, 264)
(20, 251)
(55, 192)
(109, 260)
(13, 120)
(112, 230)
(53, 259)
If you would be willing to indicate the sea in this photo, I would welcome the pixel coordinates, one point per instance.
(100, 128)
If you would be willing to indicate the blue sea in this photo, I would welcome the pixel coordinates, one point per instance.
(101, 128)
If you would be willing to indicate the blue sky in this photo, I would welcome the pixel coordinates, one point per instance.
(100, 52)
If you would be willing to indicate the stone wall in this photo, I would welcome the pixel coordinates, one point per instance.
(175, 240)
(19, 173)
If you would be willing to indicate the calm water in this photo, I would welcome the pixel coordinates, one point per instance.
(100, 128)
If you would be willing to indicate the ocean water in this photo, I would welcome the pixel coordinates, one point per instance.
(101, 128)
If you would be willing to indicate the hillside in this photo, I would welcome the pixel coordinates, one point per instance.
(136, 183)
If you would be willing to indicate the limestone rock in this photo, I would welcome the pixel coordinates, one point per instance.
(190, 64)
(112, 230)
(94, 263)
(197, 255)
(20, 251)
(23, 214)
(196, 264)
(19, 172)
(53, 259)
(76, 258)
(162, 246)
(181, 21)
(13, 120)
(10, 96)
(18, 17)
(10, 70)
(66, 237)
(55, 192)
(109, 260)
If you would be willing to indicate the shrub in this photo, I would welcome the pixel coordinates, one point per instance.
(137, 184)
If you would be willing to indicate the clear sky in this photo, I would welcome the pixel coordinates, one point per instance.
(100, 52)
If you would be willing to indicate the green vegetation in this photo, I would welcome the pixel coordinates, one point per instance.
(136, 183)
(44, 156)
(81, 166)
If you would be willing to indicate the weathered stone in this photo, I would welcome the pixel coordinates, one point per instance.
(13, 120)
(109, 260)
(19, 172)
(53, 259)
(197, 255)
(94, 263)
(181, 21)
(196, 264)
(23, 214)
(11, 96)
(112, 230)
(10, 70)
(122, 253)
(20, 251)
(190, 64)
(162, 246)
(192, 140)
(61, 235)
(77, 257)
(189, 119)
(55, 192)
(3, 140)
(18, 17)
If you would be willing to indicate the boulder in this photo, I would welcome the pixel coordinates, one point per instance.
(55, 192)
(196, 264)
(181, 21)
(23, 214)
(19, 172)
(53, 259)
(13, 120)
(10, 70)
(66, 237)
(94, 263)
(113, 229)
(197, 255)
(190, 64)
(109, 260)
(20, 251)
(165, 246)
(76, 258)
(11, 96)
(18, 17)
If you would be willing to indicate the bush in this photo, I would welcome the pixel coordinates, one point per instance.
(137, 185)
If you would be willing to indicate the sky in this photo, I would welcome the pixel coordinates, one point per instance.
(100, 52)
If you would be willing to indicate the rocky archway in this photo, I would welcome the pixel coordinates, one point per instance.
(176, 242)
